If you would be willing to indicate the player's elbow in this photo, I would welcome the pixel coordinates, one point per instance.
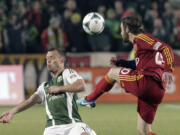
(80, 85)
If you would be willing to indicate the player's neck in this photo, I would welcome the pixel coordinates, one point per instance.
(54, 75)
(132, 37)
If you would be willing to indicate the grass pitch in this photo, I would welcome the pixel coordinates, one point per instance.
(105, 119)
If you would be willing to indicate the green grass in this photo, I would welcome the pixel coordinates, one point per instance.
(105, 119)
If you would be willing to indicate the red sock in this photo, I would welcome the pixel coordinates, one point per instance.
(151, 133)
(104, 85)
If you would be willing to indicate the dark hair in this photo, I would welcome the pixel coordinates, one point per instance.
(133, 23)
(61, 53)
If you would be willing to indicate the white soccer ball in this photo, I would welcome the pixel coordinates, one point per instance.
(93, 23)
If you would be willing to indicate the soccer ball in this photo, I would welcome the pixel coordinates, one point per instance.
(93, 23)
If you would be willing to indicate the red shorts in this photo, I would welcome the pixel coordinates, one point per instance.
(148, 90)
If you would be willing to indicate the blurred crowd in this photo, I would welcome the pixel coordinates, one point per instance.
(33, 26)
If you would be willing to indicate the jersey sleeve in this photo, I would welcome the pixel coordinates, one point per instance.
(40, 92)
(168, 56)
(145, 42)
(70, 76)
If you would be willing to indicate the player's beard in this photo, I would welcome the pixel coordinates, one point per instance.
(125, 37)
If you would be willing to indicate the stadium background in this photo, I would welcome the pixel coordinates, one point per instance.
(26, 29)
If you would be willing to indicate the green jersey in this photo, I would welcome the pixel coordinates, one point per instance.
(60, 108)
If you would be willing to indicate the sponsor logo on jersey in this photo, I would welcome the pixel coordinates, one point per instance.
(54, 97)
(157, 45)
(59, 79)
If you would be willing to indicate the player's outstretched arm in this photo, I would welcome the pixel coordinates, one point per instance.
(6, 117)
(77, 86)
(123, 63)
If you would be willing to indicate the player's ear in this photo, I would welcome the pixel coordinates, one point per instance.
(127, 29)
(62, 60)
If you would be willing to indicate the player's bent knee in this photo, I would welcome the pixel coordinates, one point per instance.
(113, 74)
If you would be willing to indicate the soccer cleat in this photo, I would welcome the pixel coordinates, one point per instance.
(151, 133)
(83, 102)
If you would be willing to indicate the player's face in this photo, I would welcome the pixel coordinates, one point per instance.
(124, 33)
(54, 61)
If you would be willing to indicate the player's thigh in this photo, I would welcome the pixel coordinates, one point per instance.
(113, 74)
(81, 129)
(131, 81)
(143, 126)
(147, 110)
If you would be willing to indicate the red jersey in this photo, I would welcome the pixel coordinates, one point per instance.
(153, 57)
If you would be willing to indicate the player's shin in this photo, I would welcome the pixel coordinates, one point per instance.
(104, 85)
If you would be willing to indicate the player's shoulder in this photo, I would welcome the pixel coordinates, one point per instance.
(69, 71)
(71, 74)
(42, 85)
(145, 38)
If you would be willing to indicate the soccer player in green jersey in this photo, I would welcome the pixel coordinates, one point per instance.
(59, 96)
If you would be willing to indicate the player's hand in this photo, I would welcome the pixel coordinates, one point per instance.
(113, 61)
(84, 102)
(6, 117)
(54, 89)
(168, 78)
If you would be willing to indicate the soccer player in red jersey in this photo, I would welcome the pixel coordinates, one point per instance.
(146, 77)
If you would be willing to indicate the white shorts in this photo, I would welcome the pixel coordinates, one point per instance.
(69, 129)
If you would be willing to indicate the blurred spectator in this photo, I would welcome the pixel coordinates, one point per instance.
(35, 15)
(39, 12)
(45, 15)
(177, 30)
(3, 40)
(169, 20)
(118, 9)
(71, 5)
(154, 6)
(159, 30)
(29, 37)
(14, 33)
(175, 3)
(112, 23)
(75, 34)
(3, 18)
(178, 24)
(3, 21)
(67, 17)
(22, 11)
(44, 5)
(52, 12)
(54, 36)
(142, 7)
(113, 26)
(149, 18)
(102, 10)
(129, 11)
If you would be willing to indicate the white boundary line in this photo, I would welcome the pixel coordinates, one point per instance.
(172, 106)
